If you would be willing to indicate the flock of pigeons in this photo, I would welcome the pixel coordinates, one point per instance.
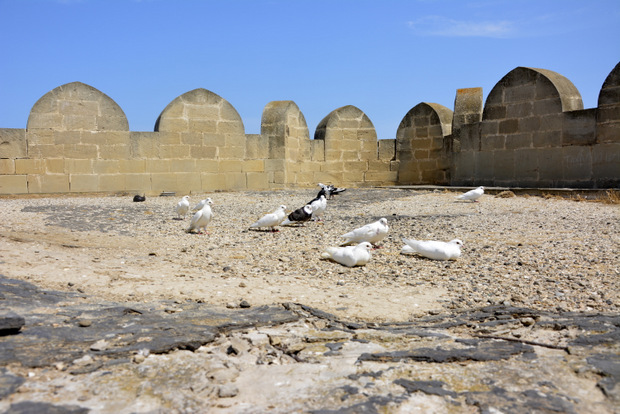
(358, 243)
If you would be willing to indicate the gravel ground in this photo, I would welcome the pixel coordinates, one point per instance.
(543, 253)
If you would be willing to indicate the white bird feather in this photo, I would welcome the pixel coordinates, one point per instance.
(183, 207)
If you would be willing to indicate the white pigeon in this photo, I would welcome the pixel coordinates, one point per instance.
(372, 233)
(472, 195)
(200, 204)
(272, 219)
(183, 207)
(201, 218)
(436, 250)
(319, 205)
(349, 256)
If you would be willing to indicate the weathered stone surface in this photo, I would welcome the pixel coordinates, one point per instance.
(10, 322)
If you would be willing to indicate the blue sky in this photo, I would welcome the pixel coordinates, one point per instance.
(382, 56)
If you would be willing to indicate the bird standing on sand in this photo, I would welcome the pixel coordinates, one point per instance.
(271, 220)
(183, 207)
(201, 218)
(472, 195)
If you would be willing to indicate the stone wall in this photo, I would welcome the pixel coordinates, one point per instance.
(532, 131)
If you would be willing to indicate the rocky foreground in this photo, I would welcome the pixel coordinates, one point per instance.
(109, 306)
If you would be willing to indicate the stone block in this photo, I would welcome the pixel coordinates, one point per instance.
(484, 165)
(329, 177)
(70, 137)
(40, 137)
(550, 164)
(210, 166)
(317, 150)
(174, 151)
(525, 92)
(493, 112)
(48, 183)
(7, 166)
(80, 151)
(163, 182)
(55, 165)
(213, 181)
(132, 166)
(257, 181)
(253, 166)
(231, 166)
(73, 166)
(519, 110)
(45, 151)
(606, 162)
(464, 166)
(213, 140)
(106, 166)
(609, 132)
(13, 184)
(526, 165)
(235, 153)
(547, 139)
(381, 176)
(579, 127)
(13, 143)
(547, 106)
(79, 122)
(529, 124)
(186, 165)
(114, 152)
(386, 149)
(353, 177)
(112, 123)
(112, 182)
(144, 144)
(509, 126)
(46, 120)
(230, 127)
(158, 166)
(30, 166)
(138, 183)
(202, 152)
(521, 140)
(275, 165)
(83, 183)
(191, 138)
(353, 156)
(489, 128)
(493, 142)
(421, 154)
(236, 181)
(504, 166)
(577, 163)
(310, 166)
(187, 182)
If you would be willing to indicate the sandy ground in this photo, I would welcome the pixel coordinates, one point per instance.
(543, 253)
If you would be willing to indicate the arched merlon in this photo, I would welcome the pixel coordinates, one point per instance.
(77, 107)
(608, 112)
(349, 135)
(528, 91)
(200, 110)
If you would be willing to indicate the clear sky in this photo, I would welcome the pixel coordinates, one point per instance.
(382, 56)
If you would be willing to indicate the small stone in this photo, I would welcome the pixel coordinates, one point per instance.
(528, 321)
(245, 304)
(85, 323)
(231, 305)
(242, 284)
(138, 359)
(100, 345)
(227, 391)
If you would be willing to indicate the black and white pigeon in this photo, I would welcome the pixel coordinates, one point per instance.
(329, 190)
(318, 205)
(138, 198)
(299, 216)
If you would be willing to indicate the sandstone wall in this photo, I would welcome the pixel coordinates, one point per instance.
(532, 131)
